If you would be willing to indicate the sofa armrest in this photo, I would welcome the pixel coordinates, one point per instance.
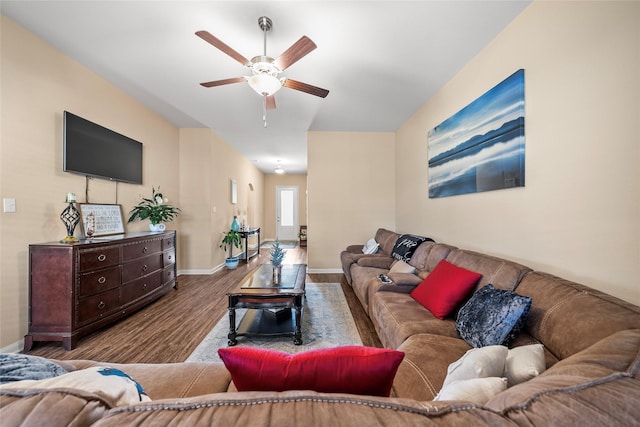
(377, 261)
(392, 287)
(405, 279)
(356, 249)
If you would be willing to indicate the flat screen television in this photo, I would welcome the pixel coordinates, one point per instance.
(93, 150)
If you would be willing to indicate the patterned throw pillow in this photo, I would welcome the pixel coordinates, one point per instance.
(406, 245)
(492, 317)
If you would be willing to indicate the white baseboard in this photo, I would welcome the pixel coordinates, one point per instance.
(201, 272)
(324, 270)
(16, 347)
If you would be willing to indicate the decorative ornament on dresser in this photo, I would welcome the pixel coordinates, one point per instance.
(277, 255)
(155, 209)
(231, 238)
(70, 218)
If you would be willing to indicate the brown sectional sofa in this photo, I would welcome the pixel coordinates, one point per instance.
(591, 342)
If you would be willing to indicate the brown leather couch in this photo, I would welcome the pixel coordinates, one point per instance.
(591, 342)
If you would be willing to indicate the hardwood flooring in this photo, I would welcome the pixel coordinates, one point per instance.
(172, 327)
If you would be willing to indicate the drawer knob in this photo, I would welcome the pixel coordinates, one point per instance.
(102, 305)
(145, 250)
(144, 267)
(144, 286)
(102, 280)
(169, 257)
(102, 257)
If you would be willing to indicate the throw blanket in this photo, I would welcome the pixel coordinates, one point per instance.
(18, 367)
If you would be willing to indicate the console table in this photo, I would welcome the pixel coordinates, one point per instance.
(78, 288)
(253, 251)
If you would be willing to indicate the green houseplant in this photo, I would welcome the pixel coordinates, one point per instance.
(155, 209)
(231, 238)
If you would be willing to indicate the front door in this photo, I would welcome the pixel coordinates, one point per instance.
(287, 213)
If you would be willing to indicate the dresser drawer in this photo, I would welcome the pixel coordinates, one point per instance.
(168, 274)
(168, 258)
(99, 281)
(97, 306)
(93, 259)
(141, 249)
(141, 267)
(138, 288)
(168, 243)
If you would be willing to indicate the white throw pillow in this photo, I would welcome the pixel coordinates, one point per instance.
(524, 363)
(371, 247)
(480, 362)
(477, 390)
(402, 267)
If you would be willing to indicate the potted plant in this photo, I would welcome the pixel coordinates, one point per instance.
(231, 238)
(155, 209)
(277, 256)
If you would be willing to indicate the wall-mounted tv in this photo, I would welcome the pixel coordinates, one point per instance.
(93, 150)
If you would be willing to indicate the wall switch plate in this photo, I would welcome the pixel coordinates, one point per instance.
(9, 205)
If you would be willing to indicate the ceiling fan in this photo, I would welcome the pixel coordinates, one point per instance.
(264, 69)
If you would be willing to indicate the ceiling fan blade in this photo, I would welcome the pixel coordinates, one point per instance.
(216, 42)
(295, 53)
(304, 87)
(224, 82)
(271, 102)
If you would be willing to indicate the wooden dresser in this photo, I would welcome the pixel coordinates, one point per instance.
(76, 289)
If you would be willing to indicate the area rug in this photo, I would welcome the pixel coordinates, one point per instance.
(284, 244)
(326, 322)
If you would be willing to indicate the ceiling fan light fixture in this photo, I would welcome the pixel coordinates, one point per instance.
(264, 84)
(279, 170)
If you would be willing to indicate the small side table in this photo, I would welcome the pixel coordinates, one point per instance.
(303, 236)
(245, 235)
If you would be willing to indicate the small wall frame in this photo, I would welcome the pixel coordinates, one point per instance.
(234, 191)
(107, 219)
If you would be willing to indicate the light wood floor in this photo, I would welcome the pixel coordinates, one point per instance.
(172, 327)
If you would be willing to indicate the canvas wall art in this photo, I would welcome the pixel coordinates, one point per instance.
(481, 147)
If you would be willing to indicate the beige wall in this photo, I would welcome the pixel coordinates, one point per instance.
(579, 214)
(191, 166)
(271, 182)
(351, 188)
(208, 164)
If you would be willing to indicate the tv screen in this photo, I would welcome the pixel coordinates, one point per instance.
(93, 150)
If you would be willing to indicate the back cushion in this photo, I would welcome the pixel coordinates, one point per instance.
(502, 274)
(568, 317)
(386, 239)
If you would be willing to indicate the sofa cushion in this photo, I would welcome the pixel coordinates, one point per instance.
(350, 369)
(445, 288)
(569, 317)
(492, 317)
(400, 266)
(501, 273)
(397, 316)
(523, 363)
(406, 245)
(371, 247)
(476, 390)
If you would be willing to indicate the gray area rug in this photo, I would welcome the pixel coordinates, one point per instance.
(284, 244)
(326, 322)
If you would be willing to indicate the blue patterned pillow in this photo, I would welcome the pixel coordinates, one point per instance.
(492, 317)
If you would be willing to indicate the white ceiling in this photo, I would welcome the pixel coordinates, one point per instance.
(381, 60)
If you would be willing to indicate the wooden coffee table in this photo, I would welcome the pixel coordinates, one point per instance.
(272, 309)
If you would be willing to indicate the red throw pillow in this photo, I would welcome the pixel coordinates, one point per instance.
(350, 369)
(444, 288)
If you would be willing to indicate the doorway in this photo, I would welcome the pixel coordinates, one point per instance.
(287, 212)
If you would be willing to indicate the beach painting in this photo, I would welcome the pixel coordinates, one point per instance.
(481, 147)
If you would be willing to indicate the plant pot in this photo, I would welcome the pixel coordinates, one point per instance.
(157, 227)
(231, 263)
